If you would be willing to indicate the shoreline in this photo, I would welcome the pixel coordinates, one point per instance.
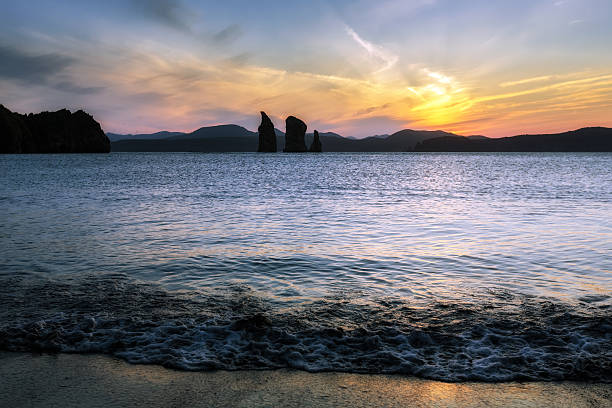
(70, 380)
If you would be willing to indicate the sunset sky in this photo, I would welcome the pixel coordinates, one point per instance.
(357, 68)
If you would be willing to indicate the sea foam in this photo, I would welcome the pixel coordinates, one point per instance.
(502, 337)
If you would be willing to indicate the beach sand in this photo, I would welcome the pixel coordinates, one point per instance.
(66, 380)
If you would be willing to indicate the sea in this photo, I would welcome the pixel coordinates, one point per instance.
(447, 266)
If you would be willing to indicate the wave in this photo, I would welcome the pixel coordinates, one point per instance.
(498, 337)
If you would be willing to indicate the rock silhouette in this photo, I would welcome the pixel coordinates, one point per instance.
(51, 132)
(267, 135)
(295, 135)
(316, 147)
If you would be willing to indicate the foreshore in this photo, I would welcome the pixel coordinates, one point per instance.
(68, 380)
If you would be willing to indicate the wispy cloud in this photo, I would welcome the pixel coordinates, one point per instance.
(374, 50)
(525, 81)
(172, 13)
(227, 35)
(69, 87)
(603, 79)
(568, 101)
(443, 79)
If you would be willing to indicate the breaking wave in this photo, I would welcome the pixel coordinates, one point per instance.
(500, 336)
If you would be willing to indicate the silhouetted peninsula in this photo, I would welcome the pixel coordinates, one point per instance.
(51, 132)
(295, 135)
(267, 135)
(592, 139)
(316, 147)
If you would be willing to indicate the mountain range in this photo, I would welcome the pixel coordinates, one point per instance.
(234, 138)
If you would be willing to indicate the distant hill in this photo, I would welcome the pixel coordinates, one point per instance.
(234, 138)
(214, 132)
(591, 139)
(114, 137)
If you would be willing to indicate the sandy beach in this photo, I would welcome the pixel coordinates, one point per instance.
(64, 380)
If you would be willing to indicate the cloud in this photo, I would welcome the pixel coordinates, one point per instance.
(43, 70)
(34, 69)
(367, 126)
(235, 90)
(239, 59)
(525, 81)
(568, 101)
(443, 79)
(148, 97)
(372, 109)
(470, 122)
(227, 35)
(589, 81)
(168, 12)
(69, 87)
(374, 50)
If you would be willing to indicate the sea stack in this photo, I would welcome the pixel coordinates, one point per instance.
(295, 133)
(51, 132)
(267, 136)
(315, 147)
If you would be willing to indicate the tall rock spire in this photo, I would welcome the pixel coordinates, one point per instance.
(316, 147)
(267, 136)
(295, 134)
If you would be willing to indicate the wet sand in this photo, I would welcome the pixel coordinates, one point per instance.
(64, 380)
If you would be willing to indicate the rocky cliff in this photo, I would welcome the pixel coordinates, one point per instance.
(51, 132)
(294, 135)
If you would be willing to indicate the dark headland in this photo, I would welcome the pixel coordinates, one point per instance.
(51, 132)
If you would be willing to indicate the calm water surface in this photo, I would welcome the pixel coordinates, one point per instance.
(449, 266)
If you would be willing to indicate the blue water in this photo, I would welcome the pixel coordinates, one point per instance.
(449, 266)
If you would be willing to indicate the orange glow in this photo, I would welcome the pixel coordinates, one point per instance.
(439, 101)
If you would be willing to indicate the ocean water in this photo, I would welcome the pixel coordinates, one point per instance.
(457, 267)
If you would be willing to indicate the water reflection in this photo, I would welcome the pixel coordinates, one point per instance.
(398, 224)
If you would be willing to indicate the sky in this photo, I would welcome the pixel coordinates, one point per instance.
(358, 68)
